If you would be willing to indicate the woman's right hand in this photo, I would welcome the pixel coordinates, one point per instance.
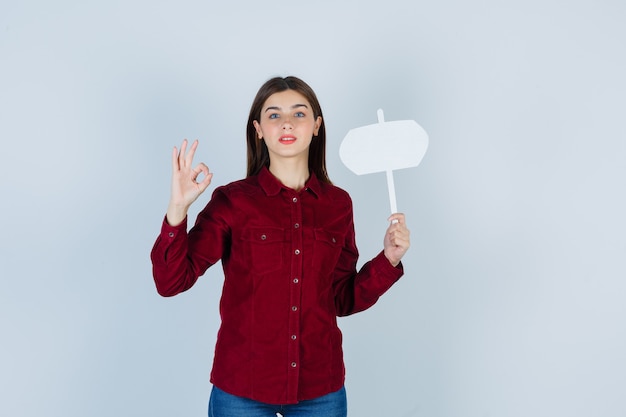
(185, 187)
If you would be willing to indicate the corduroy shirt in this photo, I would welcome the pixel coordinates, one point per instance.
(289, 261)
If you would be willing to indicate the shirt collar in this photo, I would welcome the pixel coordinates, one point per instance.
(272, 186)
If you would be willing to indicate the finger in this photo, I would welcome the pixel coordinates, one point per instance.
(192, 151)
(201, 168)
(400, 234)
(397, 228)
(398, 217)
(205, 182)
(175, 166)
(181, 154)
(394, 219)
(400, 242)
(396, 238)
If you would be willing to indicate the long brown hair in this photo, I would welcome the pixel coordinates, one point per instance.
(258, 155)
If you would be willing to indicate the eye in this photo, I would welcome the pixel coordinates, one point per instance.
(300, 114)
(274, 116)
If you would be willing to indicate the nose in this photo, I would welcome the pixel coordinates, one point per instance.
(287, 124)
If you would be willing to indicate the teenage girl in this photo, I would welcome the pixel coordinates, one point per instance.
(285, 236)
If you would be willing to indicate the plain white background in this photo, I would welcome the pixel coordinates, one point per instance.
(513, 298)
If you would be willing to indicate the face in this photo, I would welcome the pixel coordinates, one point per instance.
(287, 125)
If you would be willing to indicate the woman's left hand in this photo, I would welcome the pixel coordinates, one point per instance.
(397, 240)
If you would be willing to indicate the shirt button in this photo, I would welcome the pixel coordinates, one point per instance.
(294, 308)
(294, 337)
(297, 225)
(293, 364)
(295, 280)
(297, 251)
(171, 234)
(295, 200)
(263, 237)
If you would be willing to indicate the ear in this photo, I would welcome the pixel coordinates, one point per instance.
(318, 124)
(257, 126)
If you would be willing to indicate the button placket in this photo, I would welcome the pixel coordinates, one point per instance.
(293, 358)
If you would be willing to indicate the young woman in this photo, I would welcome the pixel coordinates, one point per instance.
(285, 236)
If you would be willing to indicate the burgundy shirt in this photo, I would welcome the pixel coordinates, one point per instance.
(289, 261)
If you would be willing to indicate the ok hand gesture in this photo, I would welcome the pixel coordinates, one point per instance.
(185, 187)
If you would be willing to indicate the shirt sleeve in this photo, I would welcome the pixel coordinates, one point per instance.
(358, 291)
(180, 257)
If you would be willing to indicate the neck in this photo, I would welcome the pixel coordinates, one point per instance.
(292, 174)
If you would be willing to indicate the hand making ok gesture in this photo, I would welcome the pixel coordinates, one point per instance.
(185, 187)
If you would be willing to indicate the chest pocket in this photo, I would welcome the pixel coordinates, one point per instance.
(265, 248)
(326, 249)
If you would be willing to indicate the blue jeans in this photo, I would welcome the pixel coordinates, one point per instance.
(223, 404)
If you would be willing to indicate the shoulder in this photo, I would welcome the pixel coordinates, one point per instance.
(229, 196)
(227, 201)
(246, 186)
(336, 193)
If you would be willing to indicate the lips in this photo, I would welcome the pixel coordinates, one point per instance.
(287, 139)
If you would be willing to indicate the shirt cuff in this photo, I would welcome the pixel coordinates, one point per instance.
(170, 232)
(382, 266)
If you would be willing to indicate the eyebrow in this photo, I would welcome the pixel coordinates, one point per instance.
(295, 106)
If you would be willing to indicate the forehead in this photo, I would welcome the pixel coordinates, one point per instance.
(285, 99)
